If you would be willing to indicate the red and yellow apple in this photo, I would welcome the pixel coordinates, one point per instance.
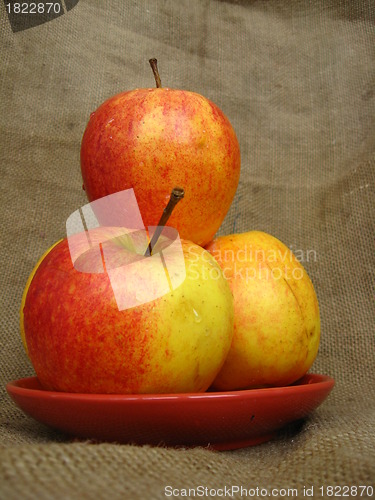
(79, 340)
(155, 138)
(276, 326)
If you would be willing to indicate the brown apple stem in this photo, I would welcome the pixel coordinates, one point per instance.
(154, 66)
(176, 195)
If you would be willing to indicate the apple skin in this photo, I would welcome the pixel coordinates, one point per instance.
(152, 140)
(79, 341)
(277, 324)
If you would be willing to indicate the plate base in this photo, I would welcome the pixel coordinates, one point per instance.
(242, 444)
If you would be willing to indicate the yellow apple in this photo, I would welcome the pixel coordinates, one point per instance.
(79, 339)
(277, 325)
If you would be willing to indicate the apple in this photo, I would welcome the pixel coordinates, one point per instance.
(152, 139)
(79, 339)
(277, 325)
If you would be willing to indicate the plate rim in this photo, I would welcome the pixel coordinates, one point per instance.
(313, 382)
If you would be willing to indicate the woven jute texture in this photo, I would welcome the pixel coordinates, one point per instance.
(296, 79)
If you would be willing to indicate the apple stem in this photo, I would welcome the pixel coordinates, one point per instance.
(154, 66)
(176, 195)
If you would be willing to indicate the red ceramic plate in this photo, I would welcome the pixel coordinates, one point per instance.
(221, 420)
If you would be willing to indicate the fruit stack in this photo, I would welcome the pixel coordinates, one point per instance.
(240, 311)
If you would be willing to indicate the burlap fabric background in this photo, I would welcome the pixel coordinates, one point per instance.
(297, 81)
